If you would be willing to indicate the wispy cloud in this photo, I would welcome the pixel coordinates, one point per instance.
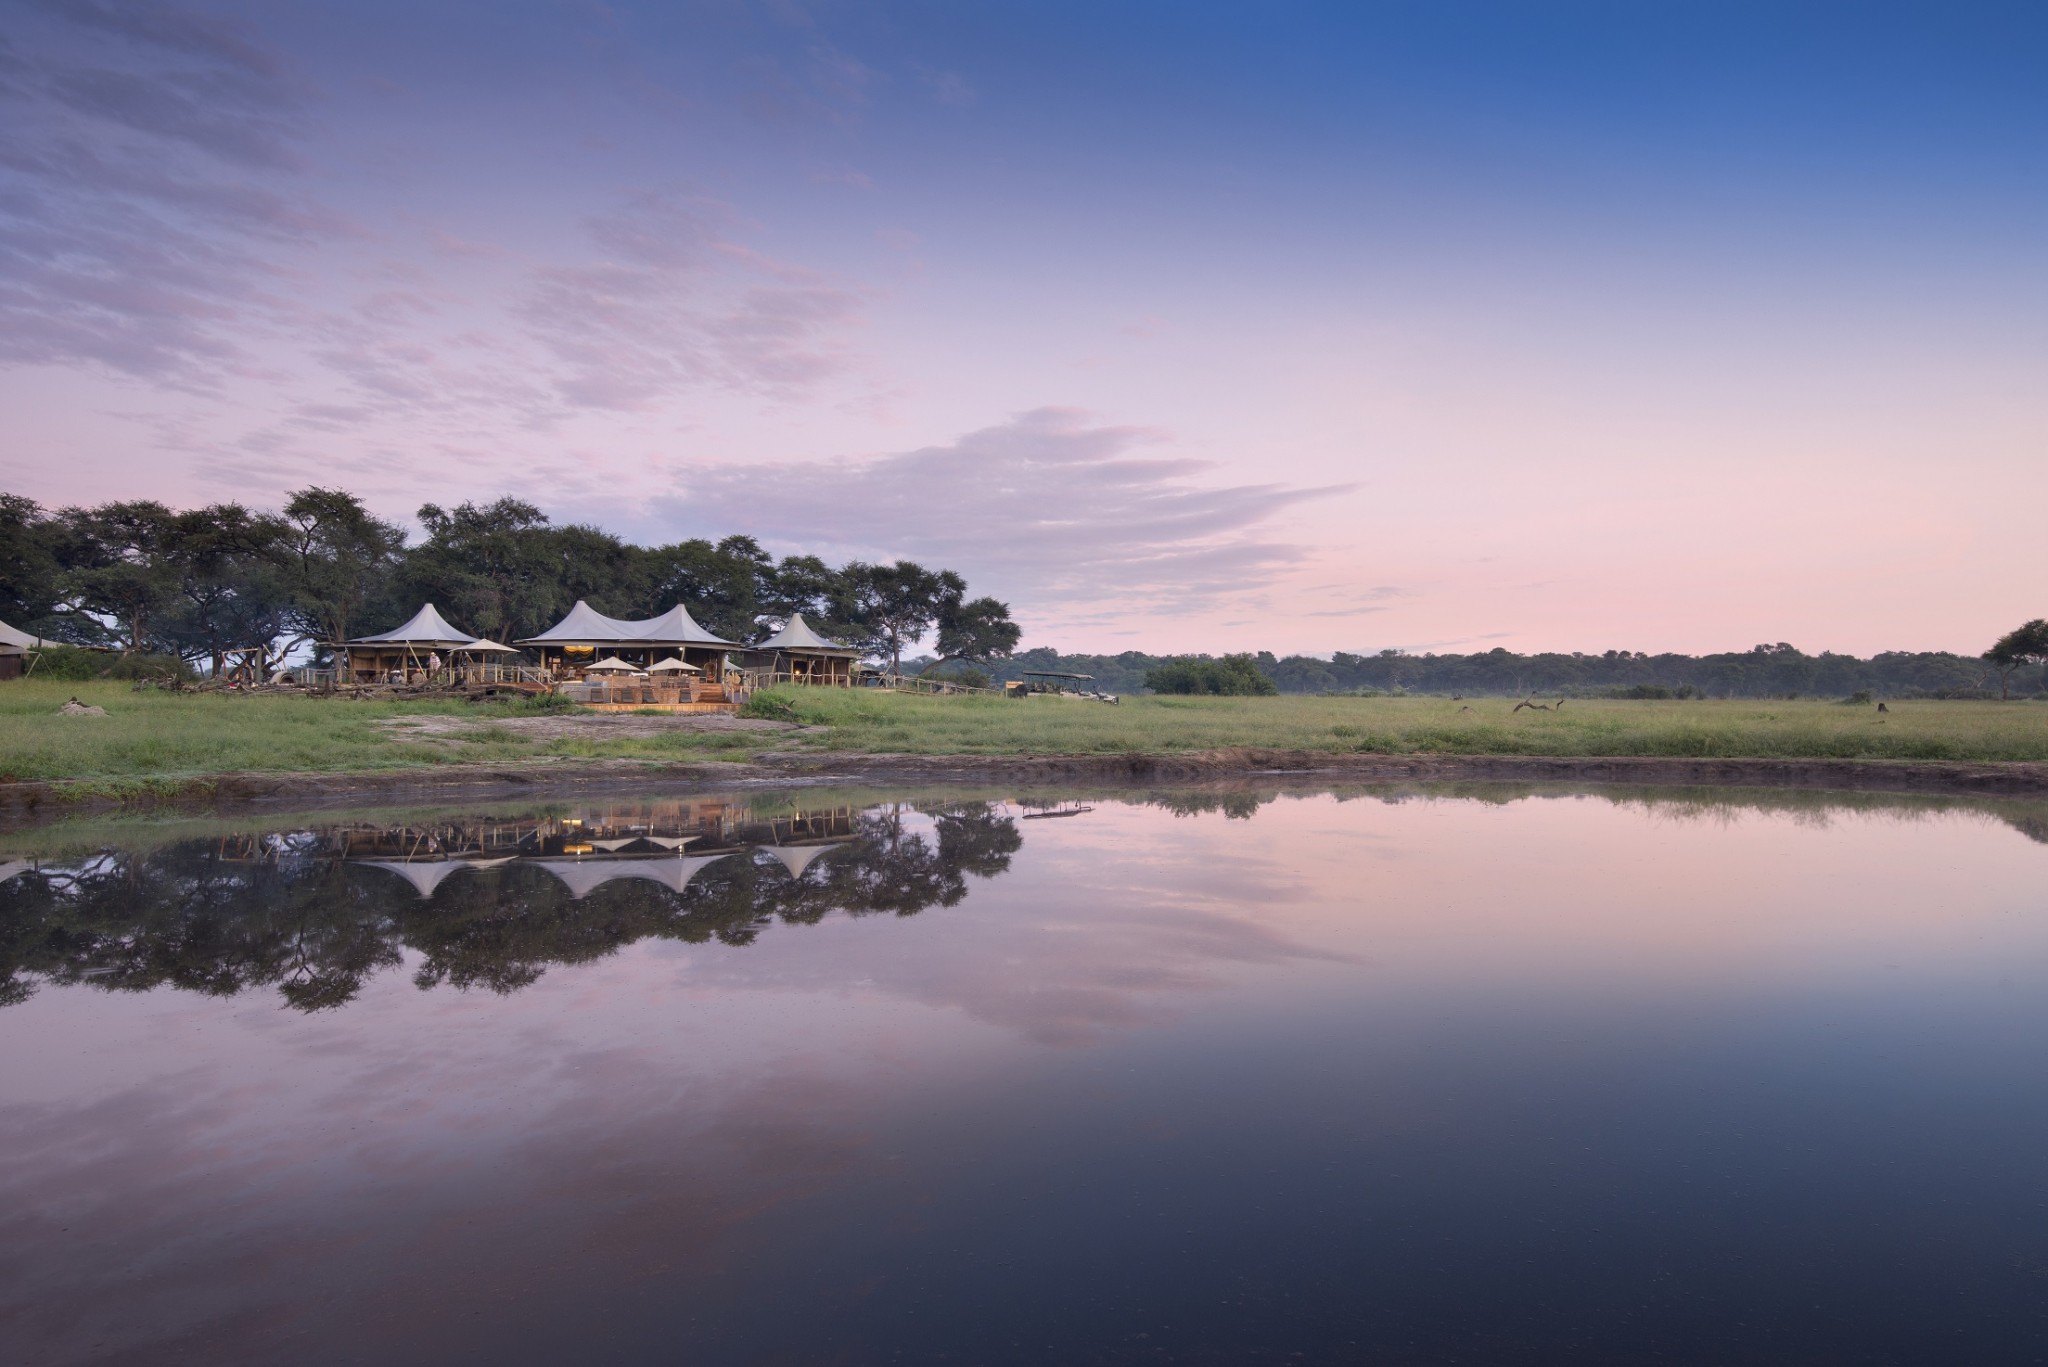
(145, 186)
(1052, 507)
(676, 303)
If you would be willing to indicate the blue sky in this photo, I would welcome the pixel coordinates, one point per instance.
(1180, 326)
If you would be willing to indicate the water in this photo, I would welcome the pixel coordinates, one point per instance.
(1493, 1077)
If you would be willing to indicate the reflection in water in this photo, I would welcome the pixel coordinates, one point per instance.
(493, 902)
(1492, 1074)
(483, 902)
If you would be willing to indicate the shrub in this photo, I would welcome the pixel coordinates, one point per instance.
(538, 704)
(71, 664)
(769, 705)
(966, 675)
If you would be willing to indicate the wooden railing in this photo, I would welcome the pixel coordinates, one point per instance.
(752, 679)
(912, 683)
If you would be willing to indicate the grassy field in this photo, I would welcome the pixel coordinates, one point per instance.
(881, 722)
(161, 737)
(177, 734)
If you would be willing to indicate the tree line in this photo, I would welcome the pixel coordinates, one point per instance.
(202, 583)
(2014, 667)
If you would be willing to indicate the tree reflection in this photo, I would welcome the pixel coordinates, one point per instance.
(297, 913)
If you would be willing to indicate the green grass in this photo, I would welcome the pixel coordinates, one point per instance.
(875, 722)
(153, 734)
(162, 740)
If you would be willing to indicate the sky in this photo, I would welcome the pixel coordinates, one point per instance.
(1441, 325)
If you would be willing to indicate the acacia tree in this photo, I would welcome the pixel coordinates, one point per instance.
(2024, 645)
(488, 565)
(117, 563)
(30, 590)
(891, 606)
(339, 560)
(977, 630)
(228, 565)
(720, 584)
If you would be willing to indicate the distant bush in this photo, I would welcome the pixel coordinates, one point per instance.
(72, 664)
(1860, 698)
(1231, 676)
(1653, 692)
(966, 675)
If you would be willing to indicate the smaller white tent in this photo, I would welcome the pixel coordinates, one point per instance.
(796, 636)
(672, 667)
(427, 628)
(797, 858)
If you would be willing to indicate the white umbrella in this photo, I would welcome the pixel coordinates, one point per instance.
(613, 664)
(671, 666)
(482, 646)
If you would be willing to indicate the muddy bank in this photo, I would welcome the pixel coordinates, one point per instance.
(28, 802)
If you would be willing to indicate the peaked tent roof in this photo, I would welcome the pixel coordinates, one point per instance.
(796, 634)
(674, 625)
(14, 636)
(797, 858)
(585, 625)
(585, 876)
(427, 874)
(427, 628)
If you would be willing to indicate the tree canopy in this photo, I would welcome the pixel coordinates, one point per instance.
(2023, 645)
(203, 582)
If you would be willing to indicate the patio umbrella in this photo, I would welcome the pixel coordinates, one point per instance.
(613, 664)
(671, 666)
(481, 646)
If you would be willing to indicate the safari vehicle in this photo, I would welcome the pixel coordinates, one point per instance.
(1052, 683)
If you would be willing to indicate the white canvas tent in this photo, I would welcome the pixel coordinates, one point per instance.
(796, 634)
(428, 628)
(404, 648)
(807, 657)
(585, 631)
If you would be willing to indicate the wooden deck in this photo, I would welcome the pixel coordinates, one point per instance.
(660, 706)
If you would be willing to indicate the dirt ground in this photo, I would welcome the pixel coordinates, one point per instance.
(583, 725)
